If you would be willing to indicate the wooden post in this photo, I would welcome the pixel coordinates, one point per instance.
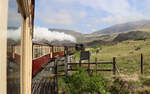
(141, 63)
(114, 65)
(56, 77)
(96, 65)
(74, 59)
(80, 63)
(69, 66)
(88, 66)
(3, 46)
(66, 65)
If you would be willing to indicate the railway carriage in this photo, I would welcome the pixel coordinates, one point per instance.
(58, 51)
(42, 54)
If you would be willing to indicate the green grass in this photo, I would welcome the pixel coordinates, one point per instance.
(128, 61)
(127, 57)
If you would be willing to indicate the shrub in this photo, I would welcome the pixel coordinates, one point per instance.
(80, 83)
(77, 54)
(122, 87)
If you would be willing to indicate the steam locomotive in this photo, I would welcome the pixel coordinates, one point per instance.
(42, 54)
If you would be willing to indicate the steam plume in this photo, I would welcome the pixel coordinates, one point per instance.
(41, 34)
(45, 34)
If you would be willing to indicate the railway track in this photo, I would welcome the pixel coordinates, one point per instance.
(42, 83)
(43, 86)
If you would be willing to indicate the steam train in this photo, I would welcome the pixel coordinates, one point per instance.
(42, 54)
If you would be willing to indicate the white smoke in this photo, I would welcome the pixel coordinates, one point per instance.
(45, 34)
(41, 34)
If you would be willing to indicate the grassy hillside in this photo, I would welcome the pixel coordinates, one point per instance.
(127, 54)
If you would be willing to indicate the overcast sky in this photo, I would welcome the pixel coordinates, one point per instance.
(89, 15)
(14, 18)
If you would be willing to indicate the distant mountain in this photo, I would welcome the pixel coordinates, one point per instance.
(132, 35)
(123, 27)
(97, 43)
(77, 35)
(108, 34)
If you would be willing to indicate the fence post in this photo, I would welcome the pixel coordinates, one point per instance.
(114, 65)
(54, 82)
(56, 77)
(88, 66)
(141, 63)
(96, 65)
(66, 65)
(80, 63)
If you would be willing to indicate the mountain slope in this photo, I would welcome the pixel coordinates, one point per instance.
(123, 27)
(133, 35)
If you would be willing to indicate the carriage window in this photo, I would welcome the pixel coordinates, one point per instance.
(45, 50)
(49, 49)
(13, 48)
(36, 52)
(55, 49)
(40, 51)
